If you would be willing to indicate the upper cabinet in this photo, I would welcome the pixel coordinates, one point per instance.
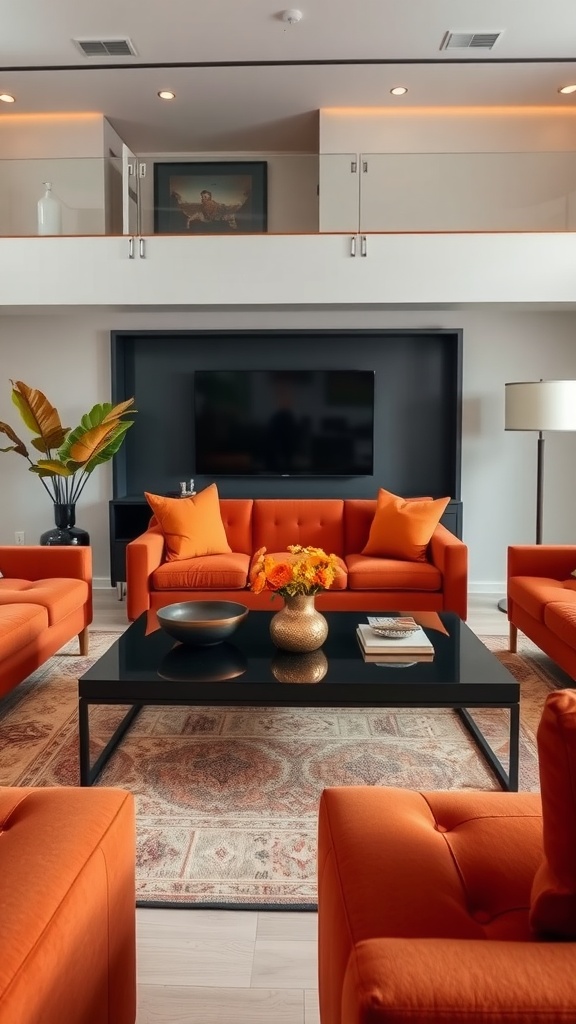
(272, 270)
(418, 208)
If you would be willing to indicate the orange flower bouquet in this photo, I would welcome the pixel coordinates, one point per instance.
(305, 571)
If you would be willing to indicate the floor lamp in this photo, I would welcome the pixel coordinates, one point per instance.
(539, 405)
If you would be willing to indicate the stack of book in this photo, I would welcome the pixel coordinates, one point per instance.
(414, 647)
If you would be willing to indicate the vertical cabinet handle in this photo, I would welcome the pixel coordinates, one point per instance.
(131, 248)
(363, 245)
(353, 245)
(143, 248)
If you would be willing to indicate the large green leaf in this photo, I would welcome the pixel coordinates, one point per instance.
(49, 467)
(111, 448)
(94, 440)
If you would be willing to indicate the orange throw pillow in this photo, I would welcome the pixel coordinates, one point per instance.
(191, 526)
(402, 528)
(553, 900)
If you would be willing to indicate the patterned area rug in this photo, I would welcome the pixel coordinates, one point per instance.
(227, 798)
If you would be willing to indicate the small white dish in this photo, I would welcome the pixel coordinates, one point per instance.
(391, 633)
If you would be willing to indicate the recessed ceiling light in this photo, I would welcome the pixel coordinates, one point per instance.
(165, 94)
(6, 97)
(567, 88)
(399, 90)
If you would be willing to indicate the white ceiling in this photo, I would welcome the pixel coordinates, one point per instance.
(274, 108)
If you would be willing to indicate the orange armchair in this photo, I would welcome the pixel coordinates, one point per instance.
(45, 600)
(452, 906)
(541, 599)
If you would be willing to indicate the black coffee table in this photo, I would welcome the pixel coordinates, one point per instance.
(144, 667)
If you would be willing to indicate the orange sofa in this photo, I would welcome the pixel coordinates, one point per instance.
(338, 526)
(445, 907)
(67, 943)
(45, 600)
(542, 599)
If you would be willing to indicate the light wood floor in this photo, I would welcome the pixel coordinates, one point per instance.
(235, 967)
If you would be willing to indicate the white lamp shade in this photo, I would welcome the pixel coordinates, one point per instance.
(541, 405)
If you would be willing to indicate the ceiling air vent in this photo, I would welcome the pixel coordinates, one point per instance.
(469, 40)
(106, 47)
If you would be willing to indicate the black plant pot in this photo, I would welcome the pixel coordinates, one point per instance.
(65, 532)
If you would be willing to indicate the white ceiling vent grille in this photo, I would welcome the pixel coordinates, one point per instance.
(470, 40)
(106, 47)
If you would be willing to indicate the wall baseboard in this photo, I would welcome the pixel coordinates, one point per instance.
(101, 582)
(487, 587)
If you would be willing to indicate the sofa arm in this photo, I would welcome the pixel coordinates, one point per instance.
(450, 555)
(557, 561)
(447, 981)
(143, 556)
(36, 562)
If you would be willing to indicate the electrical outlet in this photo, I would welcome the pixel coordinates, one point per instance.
(19, 536)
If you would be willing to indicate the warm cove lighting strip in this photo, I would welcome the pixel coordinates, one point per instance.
(555, 111)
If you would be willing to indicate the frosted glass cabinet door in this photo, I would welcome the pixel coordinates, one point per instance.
(339, 192)
(467, 191)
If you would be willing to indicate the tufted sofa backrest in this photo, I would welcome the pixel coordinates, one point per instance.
(237, 518)
(278, 522)
(358, 517)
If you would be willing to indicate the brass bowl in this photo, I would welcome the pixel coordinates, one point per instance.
(201, 623)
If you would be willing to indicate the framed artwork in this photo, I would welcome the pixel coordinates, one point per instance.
(210, 198)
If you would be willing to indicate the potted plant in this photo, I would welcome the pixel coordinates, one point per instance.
(67, 456)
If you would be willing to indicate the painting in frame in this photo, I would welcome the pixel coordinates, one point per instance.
(222, 197)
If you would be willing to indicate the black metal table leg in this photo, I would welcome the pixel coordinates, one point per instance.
(514, 763)
(84, 739)
(508, 780)
(88, 773)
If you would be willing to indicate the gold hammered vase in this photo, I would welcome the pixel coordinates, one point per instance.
(298, 626)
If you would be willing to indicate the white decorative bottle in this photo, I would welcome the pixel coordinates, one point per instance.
(49, 212)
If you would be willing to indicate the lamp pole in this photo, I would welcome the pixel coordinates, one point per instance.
(539, 406)
(539, 487)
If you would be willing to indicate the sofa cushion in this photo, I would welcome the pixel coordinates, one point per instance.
(358, 518)
(317, 523)
(560, 618)
(191, 526)
(210, 572)
(59, 596)
(340, 580)
(553, 900)
(19, 624)
(533, 593)
(402, 529)
(366, 573)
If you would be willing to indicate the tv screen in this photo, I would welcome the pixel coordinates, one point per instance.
(284, 422)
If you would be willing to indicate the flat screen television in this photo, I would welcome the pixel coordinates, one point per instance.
(284, 422)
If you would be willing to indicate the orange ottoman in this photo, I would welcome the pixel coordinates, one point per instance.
(67, 905)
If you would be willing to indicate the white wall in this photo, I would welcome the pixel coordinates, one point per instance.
(65, 149)
(448, 130)
(68, 357)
